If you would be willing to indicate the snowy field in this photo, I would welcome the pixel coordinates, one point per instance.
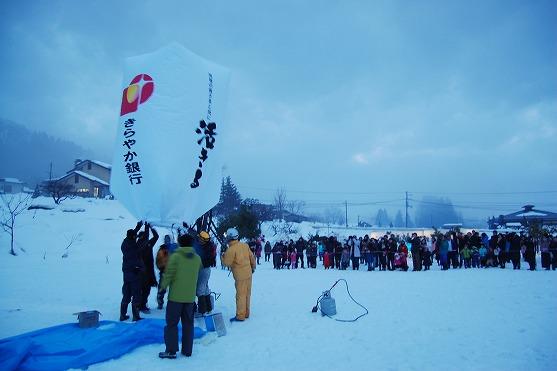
(472, 319)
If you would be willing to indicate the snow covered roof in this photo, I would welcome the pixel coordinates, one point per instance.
(528, 214)
(11, 180)
(85, 175)
(102, 164)
(531, 213)
(90, 177)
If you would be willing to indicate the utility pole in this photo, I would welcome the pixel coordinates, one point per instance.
(346, 212)
(406, 219)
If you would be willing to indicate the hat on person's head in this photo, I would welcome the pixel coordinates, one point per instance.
(231, 234)
(131, 233)
(185, 240)
(204, 236)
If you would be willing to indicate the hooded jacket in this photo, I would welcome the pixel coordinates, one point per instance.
(181, 275)
(240, 259)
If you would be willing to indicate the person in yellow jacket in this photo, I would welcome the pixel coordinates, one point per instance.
(241, 261)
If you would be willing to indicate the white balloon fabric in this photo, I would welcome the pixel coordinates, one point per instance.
(166, 166)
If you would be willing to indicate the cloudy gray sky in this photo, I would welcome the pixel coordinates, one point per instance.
(332, 100)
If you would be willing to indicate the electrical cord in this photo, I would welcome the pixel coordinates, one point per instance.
(318, 306)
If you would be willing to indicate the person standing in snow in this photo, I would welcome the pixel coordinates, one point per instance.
(416, 249)
(132, 267)
(242, 263)
(181, 275)
(300, 246)
(277, 255)
(203, 248)
(330, 245)
(355, 253)
(530, 253)
(515, 250)
(311, 254)
(553, 252)
(161, 260)
(149, 279)
(338, 252)
(267, 250)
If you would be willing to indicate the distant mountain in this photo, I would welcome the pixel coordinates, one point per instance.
(26, 154)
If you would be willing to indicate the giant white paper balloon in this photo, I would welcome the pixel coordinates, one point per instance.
(166, 166)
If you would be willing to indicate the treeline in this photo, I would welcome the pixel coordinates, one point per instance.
(232, 210)
(26, 155)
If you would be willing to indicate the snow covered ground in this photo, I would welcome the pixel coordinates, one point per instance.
(473, 319)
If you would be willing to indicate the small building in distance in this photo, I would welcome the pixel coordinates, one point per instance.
(88, 178)
(525, 217)
(11, 185)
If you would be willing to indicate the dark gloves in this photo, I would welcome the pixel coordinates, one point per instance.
(139, 224)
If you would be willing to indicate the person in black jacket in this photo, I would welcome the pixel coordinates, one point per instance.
(132, 266)
(530, 253)
(553, 252)
(148, 275)
(267, 249)
(204, 248)
(311, 253)
(515, 250)
(300, 246)
(391, 253)
(416, 249)
(338, 253)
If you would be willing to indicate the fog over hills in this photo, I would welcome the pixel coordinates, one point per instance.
(27, 155)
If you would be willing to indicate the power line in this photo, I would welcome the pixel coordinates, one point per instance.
(488, 193)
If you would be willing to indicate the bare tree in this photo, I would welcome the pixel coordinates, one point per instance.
(10, 208)
(295, 207)
(280, 202)
(59, 191)
(334, 215)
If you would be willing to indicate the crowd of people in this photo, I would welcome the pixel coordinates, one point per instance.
(185, 268)
(392, 252)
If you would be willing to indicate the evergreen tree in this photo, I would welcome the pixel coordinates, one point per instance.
(382, 218)
(435, 211)
(230, 199)
(243, 220)
(399, 221)
(261, 211)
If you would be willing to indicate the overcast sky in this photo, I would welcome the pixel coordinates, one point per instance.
(328, 99)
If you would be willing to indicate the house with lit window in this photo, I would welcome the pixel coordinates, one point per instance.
(88, 178)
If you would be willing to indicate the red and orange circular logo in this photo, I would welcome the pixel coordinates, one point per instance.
(138, 92)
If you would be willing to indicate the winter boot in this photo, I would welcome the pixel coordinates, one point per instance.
(208, 303)
(123, 312)
(135, 312)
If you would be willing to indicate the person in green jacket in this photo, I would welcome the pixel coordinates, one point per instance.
(467, 256)
(181, 275)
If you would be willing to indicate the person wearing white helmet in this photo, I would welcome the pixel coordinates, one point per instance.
(241, 261)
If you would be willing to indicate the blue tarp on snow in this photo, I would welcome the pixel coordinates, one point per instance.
(69, 346)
